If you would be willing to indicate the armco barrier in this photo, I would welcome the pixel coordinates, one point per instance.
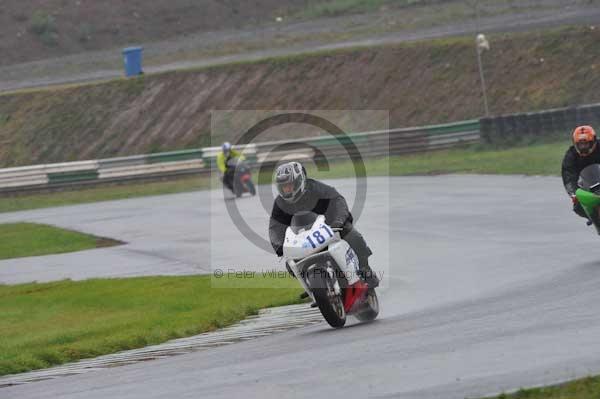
(373, 144)
(174, 156)
(176, 163)
(28, 176)
(550, 122)
(121, 162)
(70, 177)
(152, 169)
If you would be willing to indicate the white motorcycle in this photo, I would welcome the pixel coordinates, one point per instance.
(327, 268)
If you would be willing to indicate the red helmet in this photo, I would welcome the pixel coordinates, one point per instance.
(584, 140)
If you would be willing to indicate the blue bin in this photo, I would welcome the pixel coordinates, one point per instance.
(132, 58)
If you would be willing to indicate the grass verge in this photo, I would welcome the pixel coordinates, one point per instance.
(586, 388)
(49, 324)
(448, 11)
(341, 7)
(18, 240)
(536, 159)
(105, 193)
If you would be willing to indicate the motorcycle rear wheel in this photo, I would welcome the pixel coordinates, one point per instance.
(238, 189)
(370, 308)
(251, 187)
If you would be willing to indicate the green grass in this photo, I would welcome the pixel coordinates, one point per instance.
(535, 159)
(446, 11)
(541, 159)
(341, 7)
(48, 324)
(538, 159)
(87, 195)
(586, 388)
(18, 240)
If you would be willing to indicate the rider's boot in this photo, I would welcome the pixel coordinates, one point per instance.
(358, 243)
(369, 276)
(305, 295)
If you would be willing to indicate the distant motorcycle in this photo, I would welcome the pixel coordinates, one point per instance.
(327, 266)
(588, 194)
(241, 177)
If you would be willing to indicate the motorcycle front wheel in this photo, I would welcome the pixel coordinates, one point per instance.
(330, 304)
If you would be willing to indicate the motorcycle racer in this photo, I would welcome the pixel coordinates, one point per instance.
(584, 152)
(227, 153)
(298, 193)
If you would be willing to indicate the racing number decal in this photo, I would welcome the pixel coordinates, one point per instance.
(324, 227)
(318, 236)
(351, 259)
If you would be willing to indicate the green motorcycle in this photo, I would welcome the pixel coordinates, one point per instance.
(588, 194)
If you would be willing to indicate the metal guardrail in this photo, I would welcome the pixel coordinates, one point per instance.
(506, 128)
(175, 163)
(372, 144)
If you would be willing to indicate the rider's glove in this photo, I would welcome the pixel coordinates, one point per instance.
(336, 224)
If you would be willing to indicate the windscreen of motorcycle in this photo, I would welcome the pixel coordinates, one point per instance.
(303, 221)
(305, 242)
(589, 178)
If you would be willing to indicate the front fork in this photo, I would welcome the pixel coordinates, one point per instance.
(594, 217)
(336, 285)
(593, 214)
(591, 205)
(299, 277)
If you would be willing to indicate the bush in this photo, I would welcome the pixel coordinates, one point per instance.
(85, 32)
(44, 26)
(49, 38)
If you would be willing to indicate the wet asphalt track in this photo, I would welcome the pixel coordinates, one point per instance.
(493, 285)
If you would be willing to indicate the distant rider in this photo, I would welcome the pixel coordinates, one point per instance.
(584, 152)
(227, 153)
(296, 194)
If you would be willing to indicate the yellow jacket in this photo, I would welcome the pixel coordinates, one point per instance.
(222, 161)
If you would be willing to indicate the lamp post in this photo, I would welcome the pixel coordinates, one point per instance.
(482, 44)
(477, 16)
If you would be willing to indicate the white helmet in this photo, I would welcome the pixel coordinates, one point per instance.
(226, 147)
(290, 179)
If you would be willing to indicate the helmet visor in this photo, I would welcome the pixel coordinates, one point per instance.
(584, 147)
(289, 189)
